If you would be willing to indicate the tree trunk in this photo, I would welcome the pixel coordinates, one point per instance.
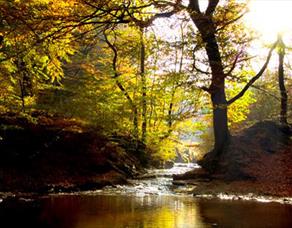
(220, 120)
(281, 79)
(134, 110)
(22, 95)
(170, 117)
(124, 91)
(144, 88)
(25, 83)
(206, 27)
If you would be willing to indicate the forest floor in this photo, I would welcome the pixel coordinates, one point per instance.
(258, 162)
(49, 154)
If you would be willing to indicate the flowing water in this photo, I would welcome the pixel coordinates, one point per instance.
(150, 201)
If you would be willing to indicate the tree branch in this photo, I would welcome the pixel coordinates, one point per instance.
(115, 51)
(256, 77)
(194, 5)
(211, 7)
(234, 63)
(266, 92)
(177, 6)
(200, 70)
(230, 22)
(237, 79)
(194, 67)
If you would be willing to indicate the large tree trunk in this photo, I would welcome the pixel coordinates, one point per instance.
(281, 79)
(206, 27)
(217, 88)
(204, 23)
(220, 121)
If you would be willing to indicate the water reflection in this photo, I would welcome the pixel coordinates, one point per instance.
(121, 211)
(148, 202)
(149, 211)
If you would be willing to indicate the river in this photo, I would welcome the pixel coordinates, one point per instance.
(150, 201)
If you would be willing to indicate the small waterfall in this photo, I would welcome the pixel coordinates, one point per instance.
(154, 181)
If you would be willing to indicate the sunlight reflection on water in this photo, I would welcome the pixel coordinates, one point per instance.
(145, 203)
(149, 211)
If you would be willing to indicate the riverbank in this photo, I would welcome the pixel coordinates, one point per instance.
(46, 154)
(257, 162)
(49, 154)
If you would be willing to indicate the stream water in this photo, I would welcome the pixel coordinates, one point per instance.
(150, 201)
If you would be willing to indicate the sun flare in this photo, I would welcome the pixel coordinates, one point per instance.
(270, 17)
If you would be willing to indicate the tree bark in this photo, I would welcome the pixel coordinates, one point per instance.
(206, 27)
(124, 91)
(144, 87)
(25, 83)
(281, 80)
(22, 95)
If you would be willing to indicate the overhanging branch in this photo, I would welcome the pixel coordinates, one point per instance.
(256, 77)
